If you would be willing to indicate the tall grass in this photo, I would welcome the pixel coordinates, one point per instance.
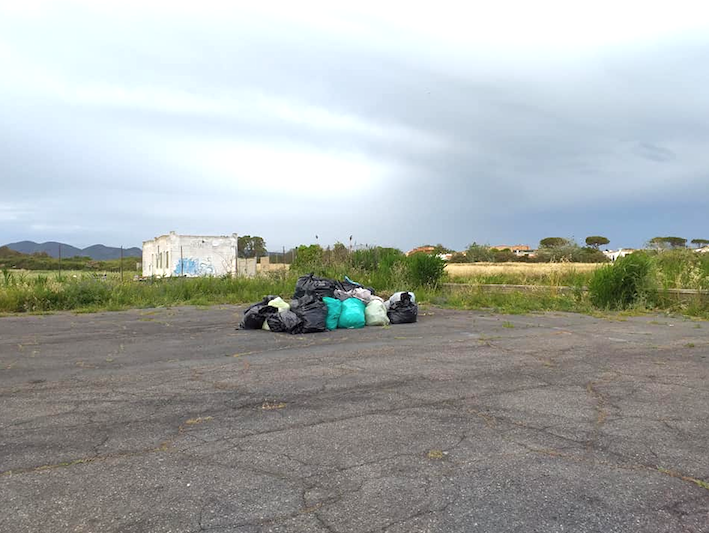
(553, 274)
(684, 269)
(89, 293)
(626, 283)
(636, 281)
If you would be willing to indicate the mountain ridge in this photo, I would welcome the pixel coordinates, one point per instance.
(97, 252)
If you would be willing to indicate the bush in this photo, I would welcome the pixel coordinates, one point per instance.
(503, 256)
(477, 253)
(626, 283)
(572, 253)
(458, 257)
(683, 269)
(307, 258)
(589, 254)
(425, 270)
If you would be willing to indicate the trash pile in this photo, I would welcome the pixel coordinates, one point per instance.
(321, 304)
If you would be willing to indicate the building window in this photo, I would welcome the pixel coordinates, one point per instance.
(167, 260)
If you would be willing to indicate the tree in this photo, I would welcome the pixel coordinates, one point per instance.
(554, 242)
(596, 240)
(658, 243)
(662, 243)
(440, 249)
(701, 243)
(251, 246)
(478, 253)
(458, 257)
(676, 242)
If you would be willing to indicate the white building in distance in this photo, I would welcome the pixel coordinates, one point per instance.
(622, 252)
(195, 255)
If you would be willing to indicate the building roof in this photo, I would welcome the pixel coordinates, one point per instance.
(421, 249)
(172, 233)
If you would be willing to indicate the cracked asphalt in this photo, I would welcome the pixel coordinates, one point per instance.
(172, 421)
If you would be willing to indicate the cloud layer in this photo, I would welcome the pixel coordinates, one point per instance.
(396, 125)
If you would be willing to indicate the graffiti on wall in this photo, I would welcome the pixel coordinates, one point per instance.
(190, 266)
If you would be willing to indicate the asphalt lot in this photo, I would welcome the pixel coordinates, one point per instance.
(171, 420)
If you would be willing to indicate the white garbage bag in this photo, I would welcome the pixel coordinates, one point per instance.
(375, 314)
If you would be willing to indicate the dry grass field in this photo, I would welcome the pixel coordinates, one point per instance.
(522, 273)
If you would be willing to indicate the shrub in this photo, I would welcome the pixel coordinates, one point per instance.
(626, 283)
(477, 253)
(458, 257)
(588, 254)
(503, 256)
(371, 259)
(307, 258)
(425, 270)
(683, 269)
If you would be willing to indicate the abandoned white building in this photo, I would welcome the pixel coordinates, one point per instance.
(195, 255)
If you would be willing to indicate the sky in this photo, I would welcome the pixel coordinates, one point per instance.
(451, 122)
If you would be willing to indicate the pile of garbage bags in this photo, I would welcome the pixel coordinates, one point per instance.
(321, 304)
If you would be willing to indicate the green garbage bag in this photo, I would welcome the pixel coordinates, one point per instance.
(334, 308)
(352, 315)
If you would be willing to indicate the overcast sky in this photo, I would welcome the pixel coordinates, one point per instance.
(498, 122)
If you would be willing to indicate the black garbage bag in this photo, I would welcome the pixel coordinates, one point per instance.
(312, 311)
(404, 311)
(255, 315)
(347, 285)
(285, 322)
(312, 284)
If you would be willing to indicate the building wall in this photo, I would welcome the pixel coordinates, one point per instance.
(193, 255)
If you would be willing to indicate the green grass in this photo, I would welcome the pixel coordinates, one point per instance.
(87, 293)
(507, 303)
(628, 282)
(40, 292)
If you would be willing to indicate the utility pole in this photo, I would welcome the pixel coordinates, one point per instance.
(60, 260)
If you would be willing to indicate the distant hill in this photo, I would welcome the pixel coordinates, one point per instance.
(98, 252)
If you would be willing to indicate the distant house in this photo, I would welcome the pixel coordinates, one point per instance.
(703, 250)
(195, 255)
(517, 249)
(622, 252)
(422, 250)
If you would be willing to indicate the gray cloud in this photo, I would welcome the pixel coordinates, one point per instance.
(120, 124)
